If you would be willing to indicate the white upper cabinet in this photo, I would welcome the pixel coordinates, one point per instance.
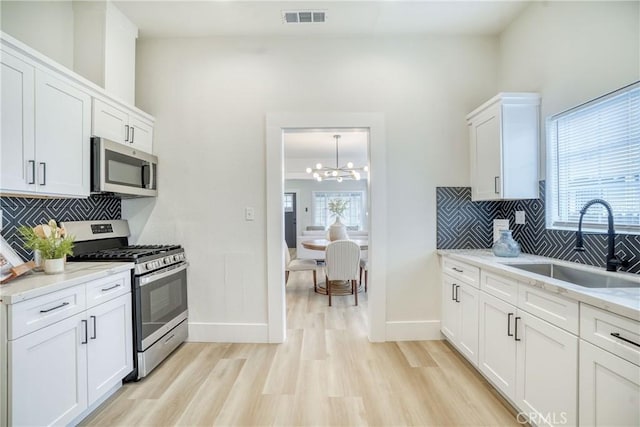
(123, 126)
(17, 147)
(46, 127)
(63, 131)
(504, 134)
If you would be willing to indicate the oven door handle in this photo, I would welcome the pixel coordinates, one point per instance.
(157, 276)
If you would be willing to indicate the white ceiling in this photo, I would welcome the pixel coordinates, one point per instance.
(305, 148)
(180, 18)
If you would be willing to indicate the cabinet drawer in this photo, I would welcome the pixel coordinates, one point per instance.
(31, 315)
(105, 289)
(500, 287)
(462, 271)
(609, 331)
(555, 309)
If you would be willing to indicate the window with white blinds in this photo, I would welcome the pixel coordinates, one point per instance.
(353, 216)
(594, 152)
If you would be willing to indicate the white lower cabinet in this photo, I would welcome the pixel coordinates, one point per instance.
(609, 389)
(48, 375)
(609, 369)
(110, 347)
(58, 371)
(460, 316)
(531, 361)
(497, 345)
(546, 371)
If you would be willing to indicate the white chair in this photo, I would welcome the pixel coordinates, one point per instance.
(299, 265)
(342, 260)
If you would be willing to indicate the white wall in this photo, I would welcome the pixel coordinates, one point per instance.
(305, 188)
(46, 26)
(210, 97)
(571, 52)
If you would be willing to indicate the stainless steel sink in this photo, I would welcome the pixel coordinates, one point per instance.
(576, 276)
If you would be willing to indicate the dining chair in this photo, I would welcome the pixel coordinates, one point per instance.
(299, 265)
(342, 260)
(364, 267)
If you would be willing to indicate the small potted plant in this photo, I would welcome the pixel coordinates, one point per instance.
(51, 241)
(338, 231)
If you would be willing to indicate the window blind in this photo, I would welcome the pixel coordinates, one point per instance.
(594, 152)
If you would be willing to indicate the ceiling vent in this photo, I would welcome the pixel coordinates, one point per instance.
(303, 16)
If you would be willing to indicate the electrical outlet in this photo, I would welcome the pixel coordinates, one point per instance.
(520, 217)
(249, 214)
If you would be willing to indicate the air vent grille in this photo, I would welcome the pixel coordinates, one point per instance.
(304, 16)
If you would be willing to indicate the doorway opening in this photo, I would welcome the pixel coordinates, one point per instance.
(278, 125)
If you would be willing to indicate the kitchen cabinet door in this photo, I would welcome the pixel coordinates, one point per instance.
(48, 374)
(609, 389)
(504, 136)
(63, 119)
(110, 349)
(487, 155)
(468, 323)
(546, 371)
(141, 134)
(17, 152)
(110, 122)
(497, 346)
(449, 324)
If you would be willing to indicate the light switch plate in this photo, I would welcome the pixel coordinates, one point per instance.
(520, 217)
(249, 214)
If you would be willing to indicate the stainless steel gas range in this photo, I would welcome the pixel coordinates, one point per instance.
(160, 287)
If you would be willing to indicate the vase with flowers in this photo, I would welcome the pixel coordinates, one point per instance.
(51, 242)
(337, 230)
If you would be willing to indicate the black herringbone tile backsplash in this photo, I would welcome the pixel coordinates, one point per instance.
(463, 224)
(17, 211)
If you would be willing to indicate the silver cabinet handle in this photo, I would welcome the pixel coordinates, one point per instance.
(132, 134)
(32, 163)
(110, 287)
(126, 129)
(458, 270)
(495, 184)
(509, 316)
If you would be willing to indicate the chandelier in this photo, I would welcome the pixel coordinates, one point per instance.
(339, 173)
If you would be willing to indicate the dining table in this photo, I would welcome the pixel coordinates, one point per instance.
(321, 244)
(337, 288)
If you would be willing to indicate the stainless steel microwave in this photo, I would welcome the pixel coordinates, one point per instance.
(123, 170)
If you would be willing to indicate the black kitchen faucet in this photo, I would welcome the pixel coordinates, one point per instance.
(613, 262)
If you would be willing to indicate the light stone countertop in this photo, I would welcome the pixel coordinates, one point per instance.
(622, 301)
(35, 284)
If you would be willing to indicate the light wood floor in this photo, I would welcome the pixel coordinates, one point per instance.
(327, 373)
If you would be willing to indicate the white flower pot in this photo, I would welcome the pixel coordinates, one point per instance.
(54, 266)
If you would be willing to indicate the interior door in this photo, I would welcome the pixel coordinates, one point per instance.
(290, 216)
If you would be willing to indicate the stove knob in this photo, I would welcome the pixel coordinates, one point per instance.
(167, 260)
(148, 266)
(176, 258)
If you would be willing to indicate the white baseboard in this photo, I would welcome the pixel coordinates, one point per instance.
(423, 330)
(228, 332)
